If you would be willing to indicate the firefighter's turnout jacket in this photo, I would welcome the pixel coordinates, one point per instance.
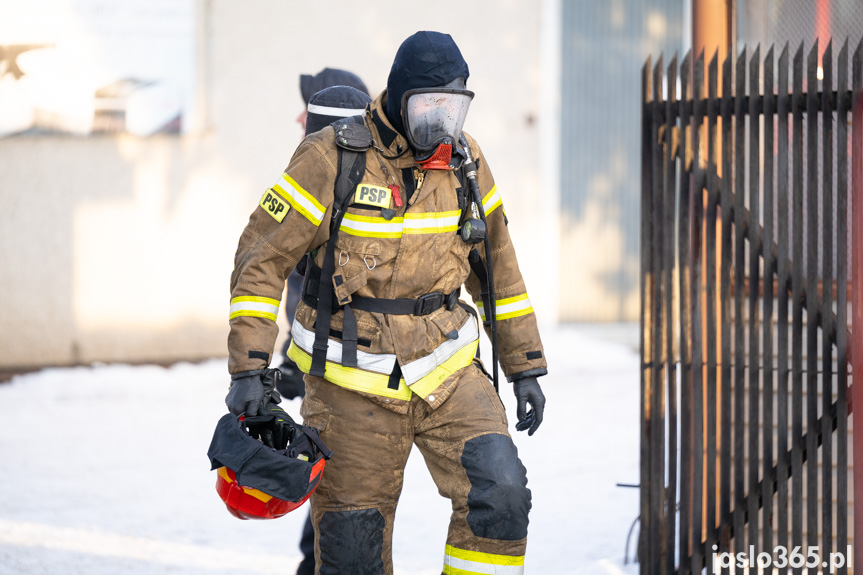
(417, 251)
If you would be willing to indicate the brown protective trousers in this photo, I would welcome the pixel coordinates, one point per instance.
(354, 506)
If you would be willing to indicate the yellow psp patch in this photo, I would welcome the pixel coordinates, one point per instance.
(274, 205)
(373, 196)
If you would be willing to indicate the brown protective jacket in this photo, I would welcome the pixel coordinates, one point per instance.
(419, 251)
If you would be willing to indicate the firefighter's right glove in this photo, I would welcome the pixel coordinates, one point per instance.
(251, 390)
(272, 426)
(528, 392)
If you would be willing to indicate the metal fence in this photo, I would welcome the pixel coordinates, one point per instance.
(745, 260)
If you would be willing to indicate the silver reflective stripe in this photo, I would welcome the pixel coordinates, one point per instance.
(385, 362)
(254, 306)
(333, 111)
(417, 369)
(379, 363)
(508, 307)
(302, 200)
(491, 201)
(372, 226)
(483, 568)
(432, 222)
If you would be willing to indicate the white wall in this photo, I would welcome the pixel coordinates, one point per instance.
(117, 248)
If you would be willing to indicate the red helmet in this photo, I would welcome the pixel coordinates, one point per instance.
(267, 465)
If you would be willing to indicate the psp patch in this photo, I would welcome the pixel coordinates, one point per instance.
(274, 205)
(373, 196)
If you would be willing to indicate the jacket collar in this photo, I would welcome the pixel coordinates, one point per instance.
(386, 136)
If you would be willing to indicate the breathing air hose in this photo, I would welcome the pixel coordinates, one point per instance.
(476, 198)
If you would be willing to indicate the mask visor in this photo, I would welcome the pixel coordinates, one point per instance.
(435, 116)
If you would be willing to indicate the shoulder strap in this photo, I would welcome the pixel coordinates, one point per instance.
(353, 138)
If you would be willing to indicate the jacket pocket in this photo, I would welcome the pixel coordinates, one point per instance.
(358, 245)
(344, 287)
(354, 258)
(448, 322)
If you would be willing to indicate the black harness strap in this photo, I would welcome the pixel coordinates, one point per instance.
(346, 181)
(349, 338)
(325, 312)
(395, 376)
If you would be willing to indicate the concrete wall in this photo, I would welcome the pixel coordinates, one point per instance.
(117, 248)
(605, 45)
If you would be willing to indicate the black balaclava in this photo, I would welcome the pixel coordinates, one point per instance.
(424, 60)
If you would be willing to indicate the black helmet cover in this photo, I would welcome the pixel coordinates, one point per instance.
(333, 103)
(309, 85)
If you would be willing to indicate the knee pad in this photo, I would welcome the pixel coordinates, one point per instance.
(499, 500)
(351, 542)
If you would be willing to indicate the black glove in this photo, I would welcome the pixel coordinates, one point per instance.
(527, 391)
(276, 429)
(272, 426)
(251, 390)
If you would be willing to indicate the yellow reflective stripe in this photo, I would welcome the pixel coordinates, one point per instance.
(411, 223)
(300, 199)
(432, 223)
(223, 472)
(491, 201)
(462, 358)
(351, 377)
(460, 562)
(372, 226)
(509, 307)
(257, 494)
(254, 306)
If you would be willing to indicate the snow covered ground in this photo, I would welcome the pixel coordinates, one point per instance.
(103, 471)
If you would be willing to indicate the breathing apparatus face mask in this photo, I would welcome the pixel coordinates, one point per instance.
(433, 119)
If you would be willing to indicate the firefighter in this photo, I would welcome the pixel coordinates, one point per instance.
(388, 347)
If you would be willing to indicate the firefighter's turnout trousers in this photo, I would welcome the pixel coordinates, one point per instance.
(468, 451)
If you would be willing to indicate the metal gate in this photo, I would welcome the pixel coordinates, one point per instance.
(746, 252)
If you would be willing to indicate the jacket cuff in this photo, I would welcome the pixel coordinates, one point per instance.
(242, 374)
(537, 372)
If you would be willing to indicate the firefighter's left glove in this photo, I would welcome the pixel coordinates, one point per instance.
(528, 392)
(251, 390)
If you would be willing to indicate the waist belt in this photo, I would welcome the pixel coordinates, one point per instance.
(423, 305)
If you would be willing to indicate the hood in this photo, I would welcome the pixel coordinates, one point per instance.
(424, 60)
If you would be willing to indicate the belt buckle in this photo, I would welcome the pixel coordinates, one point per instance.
(428, 303)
